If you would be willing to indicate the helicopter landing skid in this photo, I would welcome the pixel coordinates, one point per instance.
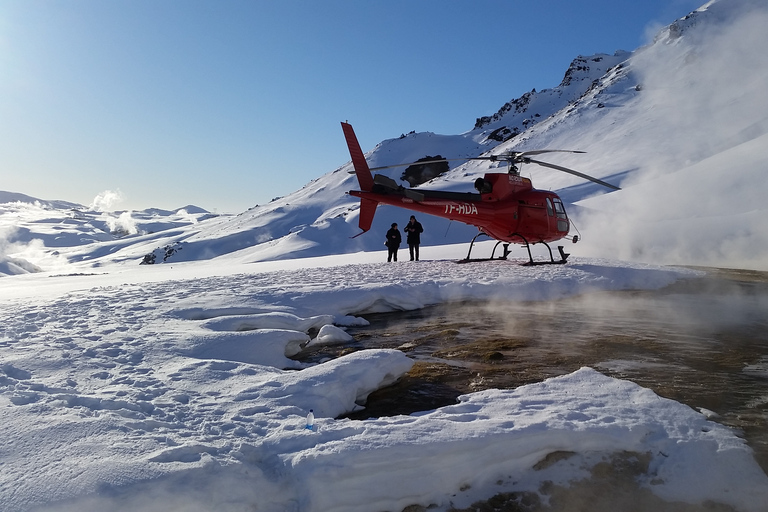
(563, 255)
(493, 253)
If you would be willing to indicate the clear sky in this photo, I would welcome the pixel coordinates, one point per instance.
(226, 104)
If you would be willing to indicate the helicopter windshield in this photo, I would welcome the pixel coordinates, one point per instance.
(559, 208)
(562, 218)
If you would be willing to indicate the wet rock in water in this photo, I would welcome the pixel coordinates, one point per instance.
(415, 508)
(494, 356)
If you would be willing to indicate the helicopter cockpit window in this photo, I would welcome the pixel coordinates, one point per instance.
(549, 208)
(559, 208)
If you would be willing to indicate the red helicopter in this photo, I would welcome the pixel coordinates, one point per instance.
(505, 207)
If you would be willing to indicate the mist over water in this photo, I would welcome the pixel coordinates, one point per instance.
(701, 341)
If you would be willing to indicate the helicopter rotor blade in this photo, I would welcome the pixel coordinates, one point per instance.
(504, 157)
(520, 157)
(575, 173)
(509, 158)
(542, 151)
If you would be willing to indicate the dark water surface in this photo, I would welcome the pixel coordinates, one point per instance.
(701, 341)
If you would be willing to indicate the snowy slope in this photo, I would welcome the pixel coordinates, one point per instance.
(522, 113)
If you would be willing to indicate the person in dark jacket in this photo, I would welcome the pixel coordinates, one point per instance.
(393, 241)
(414, 230)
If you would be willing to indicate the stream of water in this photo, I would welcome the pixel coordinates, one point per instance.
(700, 341)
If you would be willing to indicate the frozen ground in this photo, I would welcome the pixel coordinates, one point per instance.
(170, 388)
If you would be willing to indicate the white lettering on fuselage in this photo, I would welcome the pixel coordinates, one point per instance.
(461, 209)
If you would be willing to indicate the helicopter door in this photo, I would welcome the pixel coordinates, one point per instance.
(562, 218)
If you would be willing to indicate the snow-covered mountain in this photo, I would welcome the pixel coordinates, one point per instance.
(680, 124)
(38, 235)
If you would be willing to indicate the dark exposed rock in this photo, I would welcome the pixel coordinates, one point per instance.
(417, 173)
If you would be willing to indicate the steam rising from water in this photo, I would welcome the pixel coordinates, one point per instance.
(122, 224)
(22, 257)
(106, 201)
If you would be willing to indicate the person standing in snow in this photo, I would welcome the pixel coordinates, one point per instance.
(393, 241)
(414, 230)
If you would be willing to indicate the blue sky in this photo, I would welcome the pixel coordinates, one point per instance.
(227, 104)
